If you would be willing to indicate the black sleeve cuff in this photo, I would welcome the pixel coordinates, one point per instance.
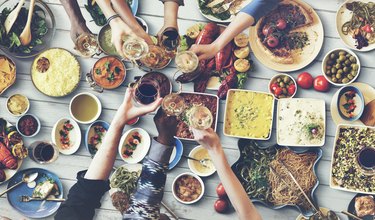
(179, 2)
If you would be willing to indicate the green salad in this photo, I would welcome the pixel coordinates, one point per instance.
(38, 30)
(97, 14)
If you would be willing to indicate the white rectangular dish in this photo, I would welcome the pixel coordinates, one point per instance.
(301, 122)
(249, 114)
(344, 163)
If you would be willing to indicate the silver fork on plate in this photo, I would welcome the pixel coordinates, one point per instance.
(29, 199)
(223, 8)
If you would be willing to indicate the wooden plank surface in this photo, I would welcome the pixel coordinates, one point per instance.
(50, 110)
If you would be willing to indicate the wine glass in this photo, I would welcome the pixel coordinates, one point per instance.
(86, 45)
(134, 48)
(173, 104)
(170, 40)
(187, 61)
(147, 91)
(200, 117)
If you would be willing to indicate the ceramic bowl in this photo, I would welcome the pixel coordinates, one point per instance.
(37, 130)
(359, 102)
(174, 186)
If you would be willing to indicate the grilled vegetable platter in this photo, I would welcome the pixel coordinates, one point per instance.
(230, 67)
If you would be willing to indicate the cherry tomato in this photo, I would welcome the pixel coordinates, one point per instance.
(274, 86)
(278, 91)
(321, 84)
(272, 41)
(281, 24)
(221, 205)
(305, 80)
(267, 30)
(367, 28)
(291, 89)
(221, 191)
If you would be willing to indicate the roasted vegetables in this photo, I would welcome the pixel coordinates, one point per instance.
(6, 158)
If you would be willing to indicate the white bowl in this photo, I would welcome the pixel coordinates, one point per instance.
(273, 80)
(37, 130)
(74, 136)
(97, 102)
(187, 174)
(191, 163)
(141, 151)
(324, 64)
(27, 109)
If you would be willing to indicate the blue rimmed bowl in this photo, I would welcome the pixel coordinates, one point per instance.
(243, 145)
(176, 155)
(359, 101)
(89, 133)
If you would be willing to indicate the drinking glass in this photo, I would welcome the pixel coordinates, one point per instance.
(200, 117)
(86, 45)
(147, 90)
(134, 49)
(173, 104)
(43, 152)
(170, 39)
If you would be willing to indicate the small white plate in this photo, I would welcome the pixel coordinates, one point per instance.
(193, 167)
(342, 16)
(368, 94)
(74, 136)
(140, 152)
(217, 20)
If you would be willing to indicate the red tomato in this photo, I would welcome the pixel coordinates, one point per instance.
(274, 86)
(267, 29)
(291, 89)
(221, 191)
(321, 84)
(281, 24)
(278, 91)
(305, 80)
(272, 41)
(221, 205)
(367, 28)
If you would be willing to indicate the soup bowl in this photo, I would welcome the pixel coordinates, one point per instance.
(79, 108)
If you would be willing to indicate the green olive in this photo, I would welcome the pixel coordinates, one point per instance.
(342, 53)
(278, 80)
(338, 60)
(286, 79)
(282, 84)
(352, 59)
(334, 79)
(328, 72)
(285, 91)
(342, 58)
(346, 70)
(353, 73)
(347, 62)
(355, 67)
(338, 66)
(332, 56)
(345, 80)
(340, 71)
(333, 70)
(338, 76)
(350, 76)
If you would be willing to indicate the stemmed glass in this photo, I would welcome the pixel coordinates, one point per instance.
(87, 45)
(134, 48)
(147, 91)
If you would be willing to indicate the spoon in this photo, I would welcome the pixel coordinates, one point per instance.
(26, 178)
(366, 217)
(203, 161)
(12, 17)
(25, 36)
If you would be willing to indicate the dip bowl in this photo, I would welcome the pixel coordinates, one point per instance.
(343, 104)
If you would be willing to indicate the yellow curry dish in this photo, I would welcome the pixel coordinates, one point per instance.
(7, 73)
(55, 72)
(249, 114)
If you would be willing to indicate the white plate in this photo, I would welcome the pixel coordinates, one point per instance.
(331, 184)
(140, 152)
(307, 56)
(320, 104)
(191, 163)
(368, 94)
(217, 20)
(74, 136)
(343, 15)
(225, 114)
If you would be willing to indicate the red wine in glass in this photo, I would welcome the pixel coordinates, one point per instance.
(147, 91)
(43, 152)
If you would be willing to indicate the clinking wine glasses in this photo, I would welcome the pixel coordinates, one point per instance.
(134, 48)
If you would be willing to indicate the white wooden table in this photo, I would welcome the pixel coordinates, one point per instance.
(49, 110)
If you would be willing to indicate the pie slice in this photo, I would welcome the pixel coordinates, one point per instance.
(280, 32)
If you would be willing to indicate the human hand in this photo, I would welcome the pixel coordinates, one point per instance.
(119, 30)
(128, 110)
(78, 30)
(207, 138)
(205, 51)
(166, 126)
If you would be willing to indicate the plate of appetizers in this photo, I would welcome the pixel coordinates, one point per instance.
(12, 150)
(66, 135)
(281, 43)
(134, 145)
(212, 9)
(368, 115)
(354, 23)
(46, 193)
(362, 206)
(94, 136)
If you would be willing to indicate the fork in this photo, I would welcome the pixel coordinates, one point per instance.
(202, 161)
(223, 8)
(29, 199)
